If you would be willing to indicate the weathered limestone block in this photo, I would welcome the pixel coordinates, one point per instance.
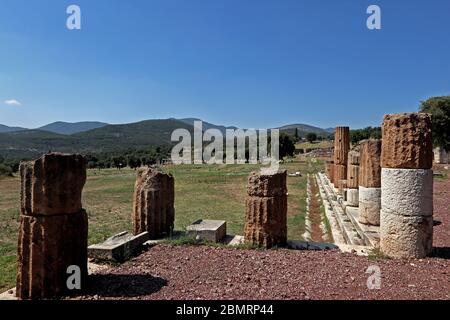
(52, 184)
(353, 176)
(329, 169)
(341, 145)
(407, 192)
(369, 167)
(406, 236)
(266, 209)
(47, 246)
(208, 230)
(340, 173)
(331, 177)
(154, 196)
(407, 141)
(354, 158)
(353, 197)
(342, 187)
(369, 205)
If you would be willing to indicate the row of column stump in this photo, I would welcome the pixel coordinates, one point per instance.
(392, 182)
(53, 233)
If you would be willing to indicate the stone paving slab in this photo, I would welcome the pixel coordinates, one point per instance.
(208, 230)
(117, 248)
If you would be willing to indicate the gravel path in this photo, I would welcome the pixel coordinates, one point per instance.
(200, 272)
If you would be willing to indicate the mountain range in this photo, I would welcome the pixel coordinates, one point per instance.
(92, 137)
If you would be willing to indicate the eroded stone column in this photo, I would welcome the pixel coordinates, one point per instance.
(266, 209)
(353, 179)
(53, 225)
(370, 182)
(153, 208)
(341, 149)
(406, 229)
(329, 168)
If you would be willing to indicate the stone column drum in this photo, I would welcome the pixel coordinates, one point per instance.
(370, 182)
(153, 208)
(53, 225)
(353, 179)
(341, 149)
(266, 209)
(406, 229)
(329, 169)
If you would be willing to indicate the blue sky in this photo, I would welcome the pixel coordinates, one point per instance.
(250, 63)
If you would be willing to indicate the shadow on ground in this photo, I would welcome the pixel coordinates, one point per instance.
(119, 285)
(441, 252)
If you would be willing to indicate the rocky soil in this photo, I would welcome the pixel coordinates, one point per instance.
(441, 214)
(166, 272)
(200, 272)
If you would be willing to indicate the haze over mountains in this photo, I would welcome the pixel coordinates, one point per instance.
(92, 137)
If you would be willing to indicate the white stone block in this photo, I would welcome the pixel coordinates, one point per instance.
(407, 192)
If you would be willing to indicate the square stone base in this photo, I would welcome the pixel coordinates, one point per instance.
(208, 230)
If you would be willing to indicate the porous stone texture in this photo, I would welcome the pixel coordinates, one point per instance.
(272, 184)
(53, 226)
(369, 166)
(266, 209)
(354, 158)
(47, 246)
(342, 187)
(369, 205)
(407, 192)
(406, 236)
(329, 169)
(353, 176)
(341, 145)
(353, 197)
(340, 173)
(407, 141)
(52, 184)
(153, 208)
(331, 177)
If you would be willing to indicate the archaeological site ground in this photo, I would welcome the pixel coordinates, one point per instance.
(217, 158)
(354, 221)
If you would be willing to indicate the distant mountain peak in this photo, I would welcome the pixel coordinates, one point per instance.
(69, 128)
(6, 129)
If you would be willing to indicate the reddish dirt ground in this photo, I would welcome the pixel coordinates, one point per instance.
(442, 213)
(314, 213)
(200, 272)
